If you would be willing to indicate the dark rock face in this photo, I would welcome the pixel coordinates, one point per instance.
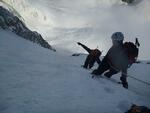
(128, 1)
(13, 23)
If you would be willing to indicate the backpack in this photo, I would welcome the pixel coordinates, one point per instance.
(138, 109)
(132, 51)
(95, 53)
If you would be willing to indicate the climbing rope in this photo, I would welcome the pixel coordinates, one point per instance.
(130, 76)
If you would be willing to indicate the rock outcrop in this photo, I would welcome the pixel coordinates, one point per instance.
(13, 23)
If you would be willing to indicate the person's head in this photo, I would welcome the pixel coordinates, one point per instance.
(117, 38)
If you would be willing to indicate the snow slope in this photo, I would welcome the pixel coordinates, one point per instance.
(64, 22)
(36, 80)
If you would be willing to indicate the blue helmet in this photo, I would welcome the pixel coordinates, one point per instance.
(117, 36)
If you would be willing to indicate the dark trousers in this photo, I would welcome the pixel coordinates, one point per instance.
(89, 62)
(105, 66)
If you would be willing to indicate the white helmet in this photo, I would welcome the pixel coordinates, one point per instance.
(117, 36)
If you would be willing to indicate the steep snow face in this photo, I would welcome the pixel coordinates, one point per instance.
(36, 80)
(64, 22)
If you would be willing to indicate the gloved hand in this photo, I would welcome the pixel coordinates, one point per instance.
(125, 85)
(124, 82)
(78, 43)
(95, 73)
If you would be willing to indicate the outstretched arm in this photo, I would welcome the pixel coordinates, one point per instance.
(85, 47)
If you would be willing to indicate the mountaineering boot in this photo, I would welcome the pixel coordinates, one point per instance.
(95, 73)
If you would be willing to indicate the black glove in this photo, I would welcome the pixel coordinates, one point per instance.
(78, 43)
(95, 73)
(124, 82)
(125, 85)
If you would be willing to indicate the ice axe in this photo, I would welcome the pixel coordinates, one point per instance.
(137, 42)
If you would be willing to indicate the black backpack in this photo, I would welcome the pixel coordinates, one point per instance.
(132, 51)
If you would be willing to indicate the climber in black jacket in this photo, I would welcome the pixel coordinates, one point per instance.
(115, 60)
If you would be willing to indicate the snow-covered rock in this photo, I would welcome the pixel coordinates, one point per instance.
(13, 23)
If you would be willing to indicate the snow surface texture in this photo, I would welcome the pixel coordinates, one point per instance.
(36, 80)
(64, 22)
